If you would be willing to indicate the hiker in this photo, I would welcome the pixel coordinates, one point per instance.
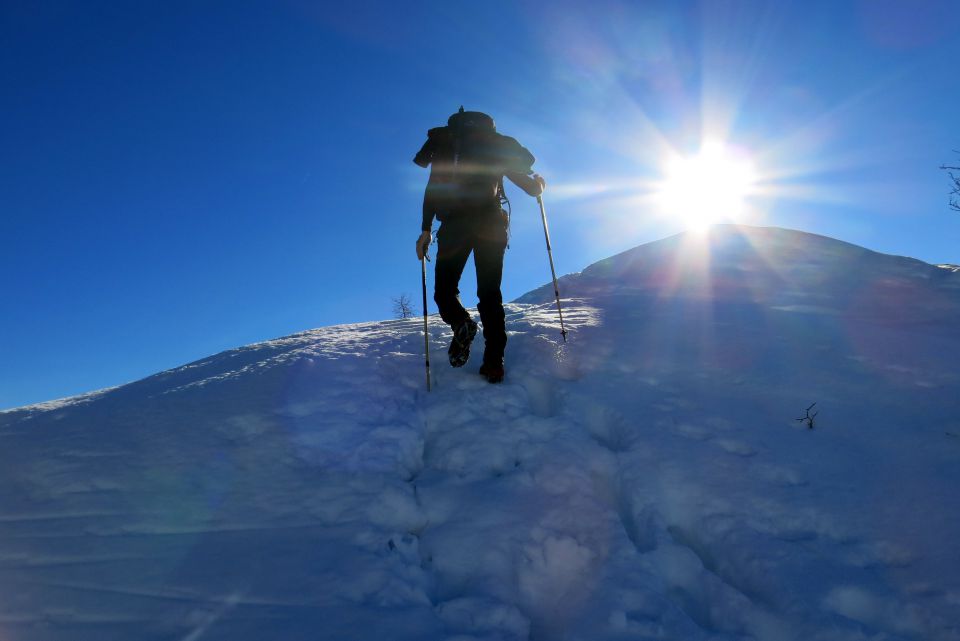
(465, 192)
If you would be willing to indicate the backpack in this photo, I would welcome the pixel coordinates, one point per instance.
(448, 144)
(467, 159)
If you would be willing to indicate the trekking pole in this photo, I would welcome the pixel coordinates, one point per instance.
(553, 272)
(426, 336)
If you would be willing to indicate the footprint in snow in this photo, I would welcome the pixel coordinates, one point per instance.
(609, 428)
(781, 476)
(739, 448)
(694, 432)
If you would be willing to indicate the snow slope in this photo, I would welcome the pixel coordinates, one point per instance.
(647, 480)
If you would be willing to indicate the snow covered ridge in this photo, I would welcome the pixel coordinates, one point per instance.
(648, 480)
(777, 267)
(59, 403)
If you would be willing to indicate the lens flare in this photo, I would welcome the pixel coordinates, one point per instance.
(707, 188)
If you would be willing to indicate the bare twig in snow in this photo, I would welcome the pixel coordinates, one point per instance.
(808, 418)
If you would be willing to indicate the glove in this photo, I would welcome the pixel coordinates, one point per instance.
(540, 181)
(423, 243)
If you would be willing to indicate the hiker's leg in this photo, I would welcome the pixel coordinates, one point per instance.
(453, 249)
(488, 258)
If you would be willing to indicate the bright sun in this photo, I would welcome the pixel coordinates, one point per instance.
(707, 188)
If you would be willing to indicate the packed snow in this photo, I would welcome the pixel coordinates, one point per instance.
(750, 434)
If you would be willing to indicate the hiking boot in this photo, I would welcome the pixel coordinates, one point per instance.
(492, 371)
(463, 334)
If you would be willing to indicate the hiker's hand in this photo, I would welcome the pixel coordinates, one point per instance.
(423, 243)
(540, 181)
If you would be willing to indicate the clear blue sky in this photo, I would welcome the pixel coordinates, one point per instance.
(179, 178)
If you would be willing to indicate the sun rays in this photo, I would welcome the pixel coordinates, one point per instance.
(707, 129)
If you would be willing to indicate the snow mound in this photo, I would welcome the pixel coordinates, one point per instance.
(649, 479)
(778, 268)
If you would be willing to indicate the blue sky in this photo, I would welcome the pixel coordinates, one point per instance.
(179, 178)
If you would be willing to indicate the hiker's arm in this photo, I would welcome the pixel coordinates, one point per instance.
(518, 166)
(423, 242)
(533, 185)
(426, 221)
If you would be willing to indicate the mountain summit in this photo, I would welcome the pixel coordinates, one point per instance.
(774, 267)
(751, 434)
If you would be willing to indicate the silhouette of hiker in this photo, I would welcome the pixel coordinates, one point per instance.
(465, 192)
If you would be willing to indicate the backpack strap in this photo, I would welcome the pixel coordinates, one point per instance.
(456, 126)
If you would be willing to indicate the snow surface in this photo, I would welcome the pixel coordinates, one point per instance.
(647, 480)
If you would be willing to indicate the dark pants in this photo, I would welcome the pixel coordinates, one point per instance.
(486, 237)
